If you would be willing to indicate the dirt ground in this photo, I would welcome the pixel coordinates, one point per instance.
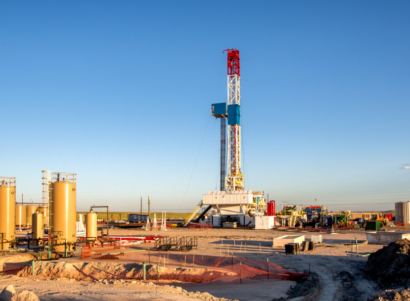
(336, 270)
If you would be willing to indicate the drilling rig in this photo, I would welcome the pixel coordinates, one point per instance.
(232, 204)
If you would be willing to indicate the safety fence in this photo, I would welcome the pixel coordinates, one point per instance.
(101, 248)
(199, 226)
(157, 266)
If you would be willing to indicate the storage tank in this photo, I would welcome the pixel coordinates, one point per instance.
(21, 216)
(63, 210)
(37, 227)
(406, 213)
(398, 208)
(91, 225)
(30, 209)
(44, 210)
(7, 210)
(402, 212)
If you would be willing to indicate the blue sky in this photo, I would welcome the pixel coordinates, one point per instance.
(120, 93)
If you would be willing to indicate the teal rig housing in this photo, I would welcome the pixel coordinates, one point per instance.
(232, 112)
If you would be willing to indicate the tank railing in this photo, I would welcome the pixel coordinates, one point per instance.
(8, 181)
(63, 177)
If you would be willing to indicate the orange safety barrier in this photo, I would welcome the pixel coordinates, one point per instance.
(169, 225)
(104, 248)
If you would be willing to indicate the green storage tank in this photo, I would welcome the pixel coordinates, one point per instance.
(373, 226)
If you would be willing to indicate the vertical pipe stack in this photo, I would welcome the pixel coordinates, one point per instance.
(149, 206)
(45, 209)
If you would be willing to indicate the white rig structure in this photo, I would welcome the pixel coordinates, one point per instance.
(233, 205)
(234, 180)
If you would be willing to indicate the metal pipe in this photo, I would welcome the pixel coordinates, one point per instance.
(65, 248)
(223, 154)
(357, 248)
(149, 207)
(267, 259)
(12, 250)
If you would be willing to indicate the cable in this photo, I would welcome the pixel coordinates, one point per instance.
(216, 184)
(196, 161)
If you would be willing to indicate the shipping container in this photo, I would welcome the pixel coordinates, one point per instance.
(373, 226)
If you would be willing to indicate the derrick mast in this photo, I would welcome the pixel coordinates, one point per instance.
(235, 179)
(232, 203)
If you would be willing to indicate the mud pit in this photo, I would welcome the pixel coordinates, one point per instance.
(337, 273)
(132, 271)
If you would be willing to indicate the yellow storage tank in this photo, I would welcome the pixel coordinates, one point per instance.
(7, 210)
(30, 210)
(21, 216)
(91, 225)
(43, 210)
(37, 227)
(63, 210)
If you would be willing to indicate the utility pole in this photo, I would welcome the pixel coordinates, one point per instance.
(21, 199)
(149, 206)
(141, 207)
